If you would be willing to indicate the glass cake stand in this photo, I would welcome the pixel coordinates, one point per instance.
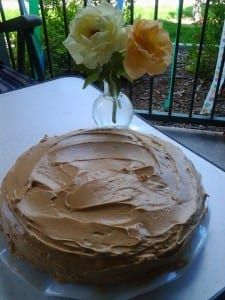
(47, 286)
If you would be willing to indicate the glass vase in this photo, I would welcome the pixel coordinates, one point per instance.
(109, 111)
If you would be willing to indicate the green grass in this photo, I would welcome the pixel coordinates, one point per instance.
(165, 15)
(11, 13)
(168, 18)
(148, 12)
(186, 33)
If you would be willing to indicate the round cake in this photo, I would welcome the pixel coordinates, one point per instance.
(101, 205)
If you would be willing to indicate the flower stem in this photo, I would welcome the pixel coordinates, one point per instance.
(114, 111)
(109, 90)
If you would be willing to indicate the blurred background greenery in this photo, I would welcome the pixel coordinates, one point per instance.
(167, 13)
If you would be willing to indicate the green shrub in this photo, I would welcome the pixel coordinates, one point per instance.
(55, 26)
(56, 32)
(214, 26)
(187, 12)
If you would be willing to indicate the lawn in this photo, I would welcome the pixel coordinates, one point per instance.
(167, 15)
(186, 33)
(11, 13)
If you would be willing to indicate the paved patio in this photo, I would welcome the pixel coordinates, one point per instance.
(208, 144)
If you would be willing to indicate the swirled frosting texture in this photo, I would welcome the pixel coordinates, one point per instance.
(114, 197)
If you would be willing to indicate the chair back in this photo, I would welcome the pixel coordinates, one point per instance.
(4, 57)
(16, 56)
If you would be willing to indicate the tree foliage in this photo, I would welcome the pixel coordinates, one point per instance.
(216, 17)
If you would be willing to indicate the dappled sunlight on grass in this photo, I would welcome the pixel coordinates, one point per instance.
(169, 20)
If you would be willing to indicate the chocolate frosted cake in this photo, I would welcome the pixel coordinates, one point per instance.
(101, 205)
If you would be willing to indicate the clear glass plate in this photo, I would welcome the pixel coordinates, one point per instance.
(46, 285)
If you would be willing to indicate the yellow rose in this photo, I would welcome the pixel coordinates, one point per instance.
(95, 34)
(148, 49)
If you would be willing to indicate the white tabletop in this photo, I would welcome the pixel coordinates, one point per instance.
(61, 105)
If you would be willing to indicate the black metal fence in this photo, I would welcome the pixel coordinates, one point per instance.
(166, 112)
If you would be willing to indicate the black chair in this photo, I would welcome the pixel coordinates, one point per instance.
(11, 73)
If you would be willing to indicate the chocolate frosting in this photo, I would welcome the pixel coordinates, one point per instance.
(105, 192)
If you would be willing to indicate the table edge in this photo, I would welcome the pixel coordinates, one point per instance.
(148, 122)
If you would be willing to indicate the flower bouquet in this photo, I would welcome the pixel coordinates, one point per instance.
(106, 50)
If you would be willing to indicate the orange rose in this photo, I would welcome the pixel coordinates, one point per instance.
(148, 49)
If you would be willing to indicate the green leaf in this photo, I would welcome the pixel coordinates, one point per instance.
(83, 69)
(91, 78)
(116, 63)
(114, 84)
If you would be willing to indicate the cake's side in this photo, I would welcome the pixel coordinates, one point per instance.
(101, 205)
